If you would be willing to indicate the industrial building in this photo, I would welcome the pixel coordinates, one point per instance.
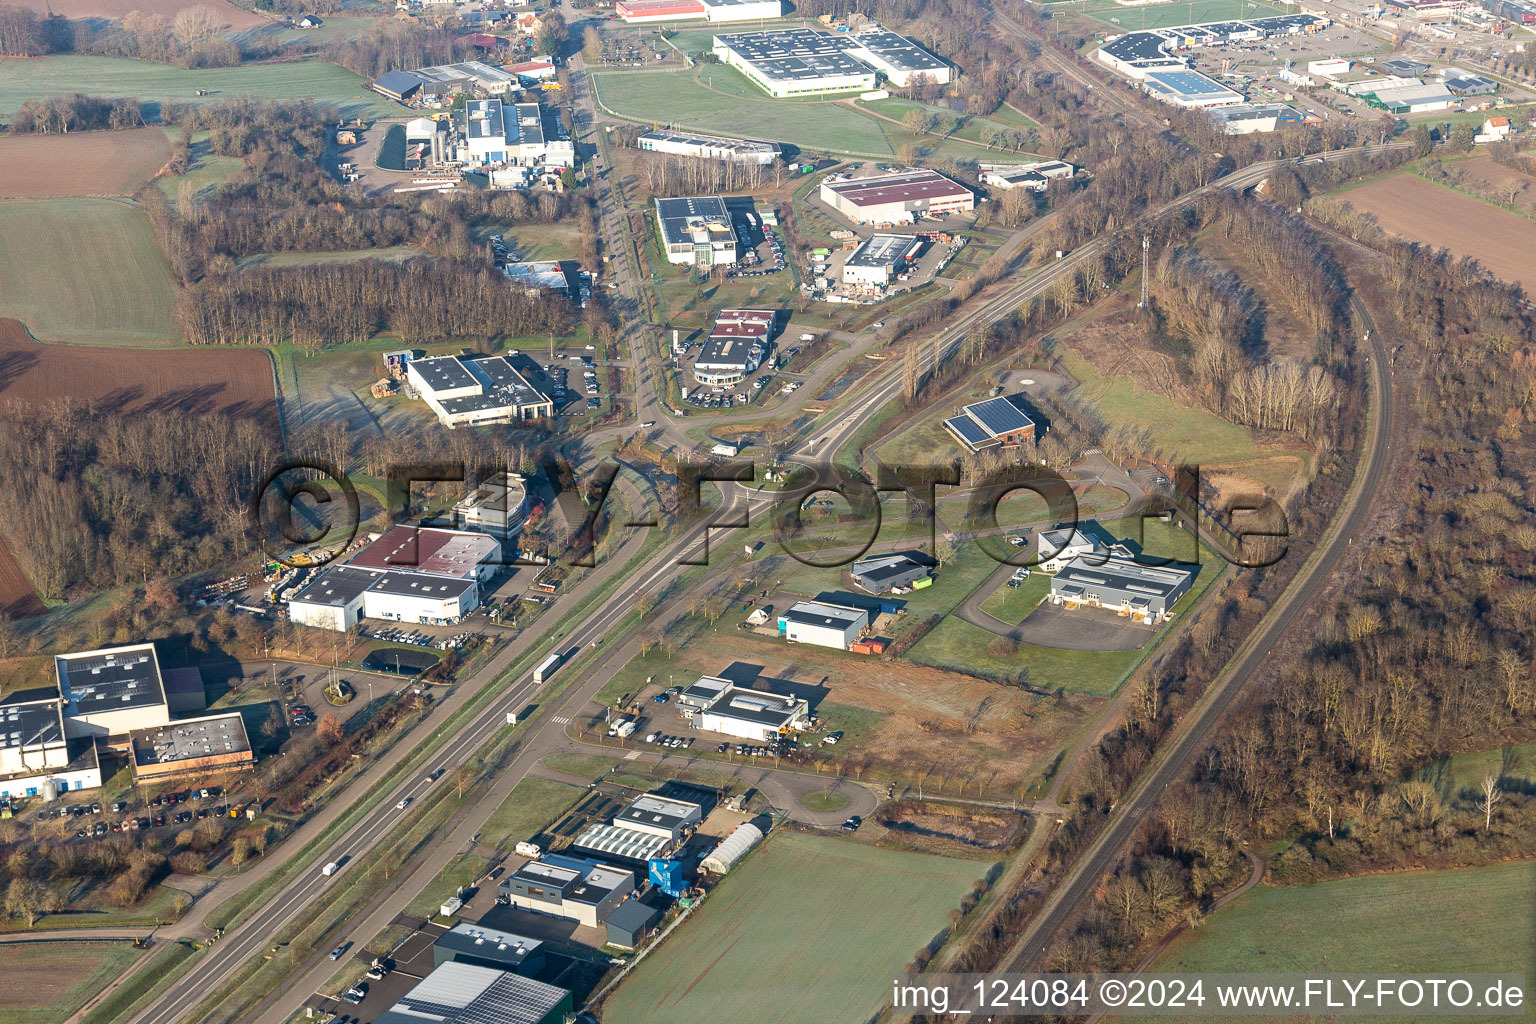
(110, 692)
(882, 574)
(490, 132)
(408, 575)
(800, 62)
(1037, 176)
(826, 625)
(898, 198)
(532, 72)
(1464, 83)
(710, 147)
(1520, 12)
(456, 993)
(444, 80)
(634, 12)
(469, 390)
(1150, 56)
(567, 887)
(879, 259)
(1402, 67)
(1188, 89)
(191, 748)
(736, 346)
(563, 277)
(697, 231)
(624, 844)
(498, 505)
(995, 422)
(37, 758)
(662, 817)
(701, 693)
(479, 946)
(184, 690)
(1410, 99)
(1119, 584)
(630, 923)
(752, 714)
(1248, 118)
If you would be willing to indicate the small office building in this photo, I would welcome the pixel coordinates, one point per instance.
(736, 346)
(1057, 548)
(697, 231)
(995, 422)
(1035, 177)
(567, 887)
(659, 816)
(882, 574)
(498, 505)
(753, 714)
(191, 748)
(1142, 592)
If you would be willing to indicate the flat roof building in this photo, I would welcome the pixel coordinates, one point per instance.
(659, 816)
(498, 505)
(112, 691)
(1411, 99)
(800, 62)
(1141, 592)
(736, 346)
(826, 625)
(458, 554)
(885, 573)
(1189, 89)
(466, 76)
(1056, 549)
(475, 944)
(697, 231)
(456, 993)
(712, 147)
(648, 11)
(464, 390)
(1037, 176)
(191, 748)
(567, 887)
(879, 259)
(491, 132)
(991, 423)
(753, 714)
(32, 740)
(898, 198)
(630, 922)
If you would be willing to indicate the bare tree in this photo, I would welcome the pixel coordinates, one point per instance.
(1491, 794)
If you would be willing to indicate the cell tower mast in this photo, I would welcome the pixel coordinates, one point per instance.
(1145, 244)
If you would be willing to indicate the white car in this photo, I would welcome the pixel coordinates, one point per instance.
(403, 804)
(648, 424)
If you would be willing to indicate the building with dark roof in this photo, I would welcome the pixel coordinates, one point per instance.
(191, 748)
(184, 690)
(456, 993)
(467, 943)
(37, 756)
(110, 692)
(1037, 176)
(879, 259)
(697, 231)
(465, 390)
(753, 714)
(802, 62)
(567, 887)
(712, 147)
(884, 573)
(659, 816)
(827, 625)
(1464, 83)
(457, 554)
(1142, 592)
(630, 922)
(897, 198)
(397, 85)
(736, 346)
(994, 422)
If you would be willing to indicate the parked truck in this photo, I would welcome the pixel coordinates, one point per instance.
(625, 729)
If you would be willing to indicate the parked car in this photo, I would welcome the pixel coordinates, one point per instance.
(853, 823)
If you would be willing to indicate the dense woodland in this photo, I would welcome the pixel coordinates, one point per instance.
(60, 115)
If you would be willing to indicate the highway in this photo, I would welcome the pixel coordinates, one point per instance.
(1199, 727)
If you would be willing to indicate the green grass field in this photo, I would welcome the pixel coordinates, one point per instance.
(804, 929)
(532, 805)
(723, 103)
(1012, 604)
(392, 254)
(1465, 772)
(1474, 919)
(121, 76)
(1188, 12)
(86, 271)
(48, 982)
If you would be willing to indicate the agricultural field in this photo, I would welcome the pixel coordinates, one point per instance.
(47, 982)
(111, 163)
(122, 76)
(85, 271)
(715, 98)
(1189, 12)
(1467, 920)
(774, 909)
(229, 15)
(18, 599)
(237, 382)
(1507, 185)
(1410, 207)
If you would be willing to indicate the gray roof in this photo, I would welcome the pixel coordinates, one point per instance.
(969, 430)
(1125, 576)
(336, 587)
(632, 916)
(111, 680)
(191, 738)
(658, 812)
(745, 705)
(477, 940)
(676, 214)
(456, 993)
(31, 723)
(882, 251)
(890, 570)
(815, 613)
(415, 584)
(1000, 415)
(400, 83)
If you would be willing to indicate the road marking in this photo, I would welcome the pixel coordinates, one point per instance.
(631, 755)
(561, 719)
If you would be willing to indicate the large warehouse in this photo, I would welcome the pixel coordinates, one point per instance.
(800, 62)
(465, 390)
(522, 134)
(826, 625)
(644, 12)
(697, 231)
(711, 147)
(1142, 592)
(35, 752)
(111, 692)
(736, 345)
(898, 198)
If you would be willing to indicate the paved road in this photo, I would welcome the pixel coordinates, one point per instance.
(1197, 729)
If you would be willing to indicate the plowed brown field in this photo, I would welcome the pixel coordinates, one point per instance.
(233, 381)
(232, 16)
(80, 163)
(1411, 207)
(17, 598)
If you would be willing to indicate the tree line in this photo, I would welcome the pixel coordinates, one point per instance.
(60, 115)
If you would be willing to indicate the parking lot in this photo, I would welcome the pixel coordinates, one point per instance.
(762, 248)
(182, 808)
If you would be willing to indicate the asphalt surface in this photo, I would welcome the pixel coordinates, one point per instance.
(1199, 727)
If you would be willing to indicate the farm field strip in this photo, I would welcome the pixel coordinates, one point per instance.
(1410, 207)
(47, 982)
(228, 14)
(107, 163)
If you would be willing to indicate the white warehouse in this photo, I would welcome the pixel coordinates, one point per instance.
(826, 625)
